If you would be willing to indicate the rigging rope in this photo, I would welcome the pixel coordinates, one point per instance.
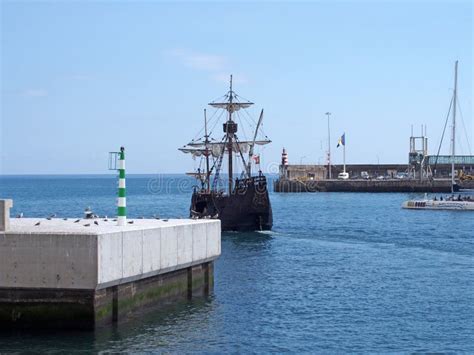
(444, 130)
(465, 130)
(216, 122)
(252, 120)
(197, 137)
(242, 125)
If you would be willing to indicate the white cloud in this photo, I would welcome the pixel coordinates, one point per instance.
(200, 61)
(218, 66)
(80, 77)
(35, 93)
(236, 78)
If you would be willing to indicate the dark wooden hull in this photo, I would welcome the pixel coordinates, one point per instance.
(247, 208)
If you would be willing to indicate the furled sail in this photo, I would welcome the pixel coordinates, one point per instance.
(198, 152)
(219, 144)
(231, 107)
(198, 149)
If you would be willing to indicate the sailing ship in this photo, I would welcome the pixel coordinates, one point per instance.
(245, 205)
(459, 203)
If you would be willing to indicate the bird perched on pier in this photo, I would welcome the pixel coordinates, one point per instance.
(20, 215)
(96, 223)
(77, 221)
(64, 219)
(87, 225)
(130, 222)
(37, 223)
(215, 216)
(88, 214)
(48, 218)
(105, 219)
(155, 216)
(165, 220)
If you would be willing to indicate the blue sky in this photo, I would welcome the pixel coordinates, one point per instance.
(80, 79)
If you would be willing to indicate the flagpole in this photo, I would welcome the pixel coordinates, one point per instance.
(344, 156)
(329, 148)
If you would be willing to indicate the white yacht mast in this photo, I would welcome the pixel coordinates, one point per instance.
(453, 134)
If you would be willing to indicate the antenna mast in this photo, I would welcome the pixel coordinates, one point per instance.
(329, 147)
(453, 137)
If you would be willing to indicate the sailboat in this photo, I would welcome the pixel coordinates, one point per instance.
(245, 204)
(451, 202)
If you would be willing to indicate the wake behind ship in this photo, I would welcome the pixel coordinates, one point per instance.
(245, 206)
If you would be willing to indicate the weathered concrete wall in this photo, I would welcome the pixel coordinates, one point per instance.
(115, 303)
(46, 308)
(440, 186)
(48, 260)
(128, 256)
(86, 309)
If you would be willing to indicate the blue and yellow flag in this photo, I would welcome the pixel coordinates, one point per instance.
(341, 141)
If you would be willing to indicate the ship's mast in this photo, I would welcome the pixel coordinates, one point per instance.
(229, 142)
(453, 136)
(249, 165)
(230, 134)
(206, 141)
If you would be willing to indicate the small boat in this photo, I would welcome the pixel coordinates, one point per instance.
(459, 203)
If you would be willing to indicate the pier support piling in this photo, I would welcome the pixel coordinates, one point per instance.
(5, 206)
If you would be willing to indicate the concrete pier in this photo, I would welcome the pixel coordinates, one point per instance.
(63, 273)
(374, 185)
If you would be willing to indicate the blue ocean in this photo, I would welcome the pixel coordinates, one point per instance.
(340, 272)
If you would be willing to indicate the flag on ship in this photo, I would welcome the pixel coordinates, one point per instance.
(341, 141)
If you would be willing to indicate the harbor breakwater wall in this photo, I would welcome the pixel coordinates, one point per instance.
(59, 273)
(433, 186)
(467, 184)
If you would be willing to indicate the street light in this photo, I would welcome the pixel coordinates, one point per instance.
(328, 114)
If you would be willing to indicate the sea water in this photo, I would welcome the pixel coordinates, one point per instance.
(340, 272)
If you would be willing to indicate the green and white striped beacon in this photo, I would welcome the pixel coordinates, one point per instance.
(122, 196)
